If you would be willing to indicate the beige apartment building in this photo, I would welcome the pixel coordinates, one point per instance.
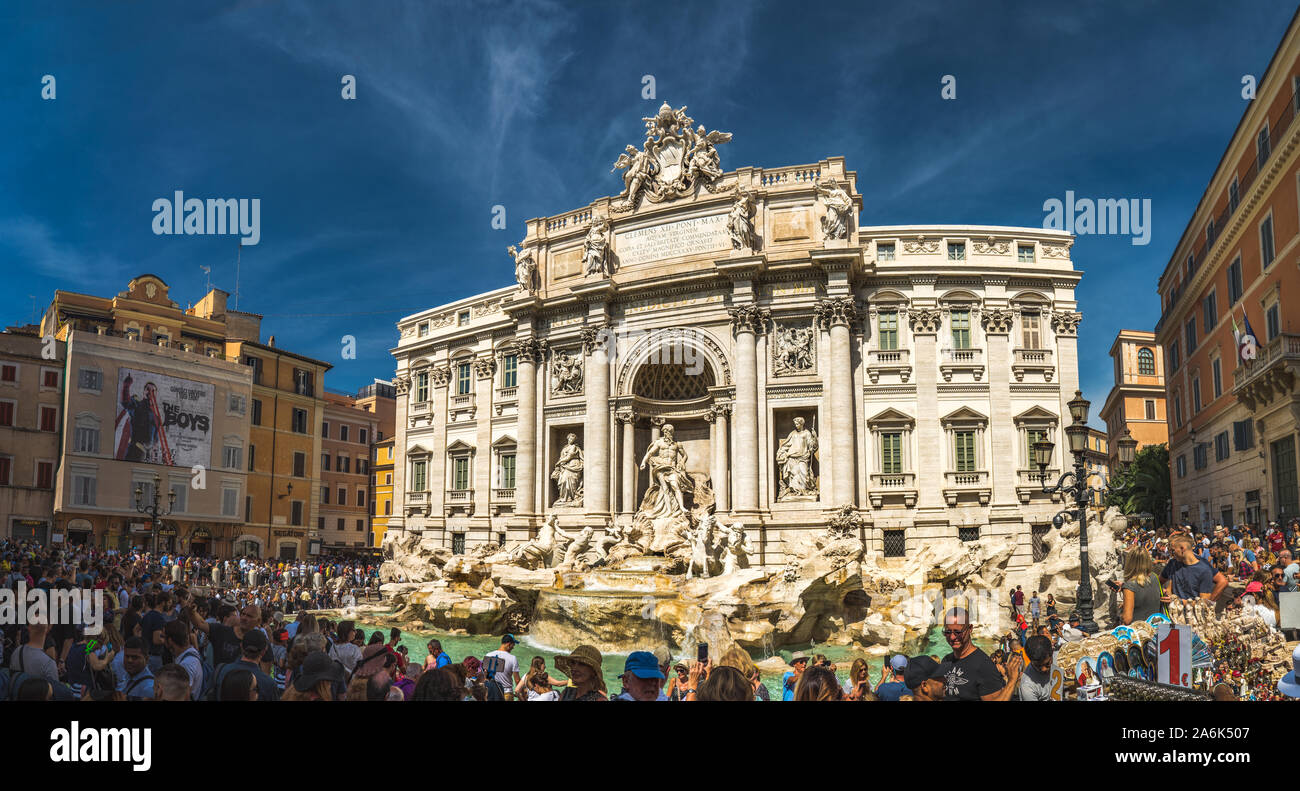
(140, 414)
(31, 409)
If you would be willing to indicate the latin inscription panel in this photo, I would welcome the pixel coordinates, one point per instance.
(671, 240)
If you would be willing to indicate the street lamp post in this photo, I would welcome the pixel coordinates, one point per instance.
(153, 509)
(1073, 484)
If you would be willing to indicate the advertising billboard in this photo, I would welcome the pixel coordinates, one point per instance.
(162, 419)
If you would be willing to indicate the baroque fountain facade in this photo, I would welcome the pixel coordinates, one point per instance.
(715, 403)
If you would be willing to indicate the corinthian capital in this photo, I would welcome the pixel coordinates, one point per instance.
(484, 367)
(529, 350)
(440, 376)
(837, 311)
(998, 322)
(749, 318)
(595, 338)
(402, 384)
(1066, 323)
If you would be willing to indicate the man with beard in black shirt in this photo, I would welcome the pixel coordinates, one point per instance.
(968, 672)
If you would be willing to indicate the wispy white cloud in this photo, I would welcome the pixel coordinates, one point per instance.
(35, 246)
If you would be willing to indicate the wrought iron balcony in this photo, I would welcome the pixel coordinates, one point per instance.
(1272, 373)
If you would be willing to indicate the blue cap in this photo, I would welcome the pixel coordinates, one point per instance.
(899, 663)
(642, 664)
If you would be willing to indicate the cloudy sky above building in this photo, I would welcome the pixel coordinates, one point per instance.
(376, 208)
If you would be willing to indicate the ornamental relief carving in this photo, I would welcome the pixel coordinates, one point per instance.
(484, 367)
(794, 350)
(991, 246)
(925, 320)
(1066, 323)
(566, 372)
(1056, 250)
(921, 244)
(998, 322)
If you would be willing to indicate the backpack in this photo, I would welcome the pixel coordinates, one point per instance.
(209, 677)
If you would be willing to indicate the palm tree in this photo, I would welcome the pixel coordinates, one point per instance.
(1145, 486)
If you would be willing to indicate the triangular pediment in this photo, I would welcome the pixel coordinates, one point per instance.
(417, 450)
(459, 444)
(964, 415)
(505, 441)
(891, 415)
(1035, 413)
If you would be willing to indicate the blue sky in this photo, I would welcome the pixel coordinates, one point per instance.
(382, 206)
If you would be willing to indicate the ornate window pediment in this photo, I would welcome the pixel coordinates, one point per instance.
(1036, 414)
(506, 442)
(459, 447)
(891, 418)
(417, 450)
(964, 417)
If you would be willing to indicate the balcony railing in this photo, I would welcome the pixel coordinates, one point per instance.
(971, 360)
(889, 480)
(1032, 360)
(889, 360)
(966, 480)
(959, 483)
(1271, 375)
(891, 484)
(460, 495)
(507, 393)
(506, 495)
(462, 400)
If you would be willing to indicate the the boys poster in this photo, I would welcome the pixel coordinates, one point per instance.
(162, 419)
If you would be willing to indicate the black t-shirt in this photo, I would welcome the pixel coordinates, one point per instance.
(225, 645)
(152, 622)
(971, 677)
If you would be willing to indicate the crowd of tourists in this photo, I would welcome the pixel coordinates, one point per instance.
(192, 628)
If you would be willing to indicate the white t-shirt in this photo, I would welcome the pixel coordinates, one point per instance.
(552, 695)
(504, 665)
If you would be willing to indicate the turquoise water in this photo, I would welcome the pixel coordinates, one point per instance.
(458, 646)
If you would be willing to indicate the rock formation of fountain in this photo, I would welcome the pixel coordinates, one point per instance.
(615, 591)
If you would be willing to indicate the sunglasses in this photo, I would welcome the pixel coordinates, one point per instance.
(954, 632)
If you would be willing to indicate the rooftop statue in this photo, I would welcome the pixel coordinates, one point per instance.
(675, 159)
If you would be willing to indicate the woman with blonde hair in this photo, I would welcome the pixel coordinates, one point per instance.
(1141, 588)
(858, 687)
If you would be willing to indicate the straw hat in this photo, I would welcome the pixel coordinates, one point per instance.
(583, 654)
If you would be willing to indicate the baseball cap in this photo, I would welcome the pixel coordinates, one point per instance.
(642, 664)
(920, 669)
(1254, 587)
(510, 639)
(898, 664)
(253, 639)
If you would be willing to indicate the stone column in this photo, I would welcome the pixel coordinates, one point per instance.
(721, 482)
(439, 379)
(747, 321)
(485, 377)
(397, 520)
(628, 419)
(1004, 457)
(837, 314)
(528, 351)
(595, 474)
(929, 465)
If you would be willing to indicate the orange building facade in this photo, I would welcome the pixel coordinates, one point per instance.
(1136, 403)
(1233, 421)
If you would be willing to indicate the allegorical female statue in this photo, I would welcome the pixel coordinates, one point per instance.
(667, 460)
(595, 248)
(568, 472)
(795, 460)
